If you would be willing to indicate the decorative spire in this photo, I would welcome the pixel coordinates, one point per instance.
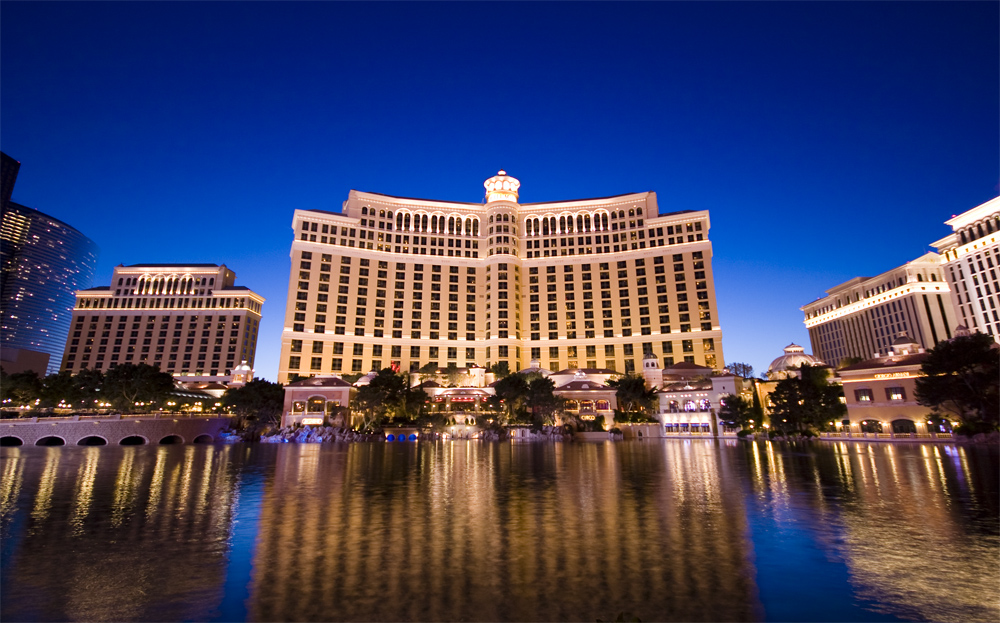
(501, 187)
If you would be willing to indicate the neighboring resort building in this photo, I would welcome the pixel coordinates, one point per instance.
(316, 400)
(971, 261)
(864, 315)
(881, 393)
(579, 284)
(189, 320)
(43, 261)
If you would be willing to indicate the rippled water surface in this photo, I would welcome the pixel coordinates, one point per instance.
(677, 530)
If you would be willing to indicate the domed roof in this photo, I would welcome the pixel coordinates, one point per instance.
(794, 357)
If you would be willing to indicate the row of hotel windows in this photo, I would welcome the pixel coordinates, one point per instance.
(384, 242)
(395, 352)
(417, 277)
(981, 229)
(857, 296)
(892, 394)
(168, 303)
(186, 284)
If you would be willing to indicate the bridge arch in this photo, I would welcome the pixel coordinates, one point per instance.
(92, 440)
(11, 440)
(51, 440)
(171, 439)
(203, 439)
(133, 440)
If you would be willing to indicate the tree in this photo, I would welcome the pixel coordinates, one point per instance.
(259, 400)
(742, 370)
(541, 401)
(808, 400)
(128, 384)
(387, 397)
(737, 409)
(500, 369)
(510, 398)
(961, 378)
(21, 388)
(633, 397)
(454, 376)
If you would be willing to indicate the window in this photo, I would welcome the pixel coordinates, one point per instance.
(895, 393)
(863, 395)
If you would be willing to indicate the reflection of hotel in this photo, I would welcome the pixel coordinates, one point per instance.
(582, 284)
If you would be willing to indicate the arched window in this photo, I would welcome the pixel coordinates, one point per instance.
(475, 227)
(364, 210)
(604, 220)
(545, 227)
(316, 404)
(423, 223)
(631, 212)
(562, 224)
(538, 229)
(434, 224)
(528, 226)
(579, 222)
(638, 211)
(603, 405)
(406, 221)
(399, 221)
(586, 223)
(451, 224)
(621, 213)
(381, 213)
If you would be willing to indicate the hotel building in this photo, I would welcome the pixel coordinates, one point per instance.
(189, 320)
(863, 316)
(970, 261)
(592, 283)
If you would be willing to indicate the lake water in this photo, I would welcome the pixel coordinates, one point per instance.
(698, 530)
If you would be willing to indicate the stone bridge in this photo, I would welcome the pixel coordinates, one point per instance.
(111, 430)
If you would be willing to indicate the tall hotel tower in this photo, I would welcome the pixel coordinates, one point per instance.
(590, 283)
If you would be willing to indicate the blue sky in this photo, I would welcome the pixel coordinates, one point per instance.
(827, 140)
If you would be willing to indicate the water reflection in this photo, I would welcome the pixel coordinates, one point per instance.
(667, 529)
(468, 531)
(74, 548)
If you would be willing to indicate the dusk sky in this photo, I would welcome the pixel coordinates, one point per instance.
(828, 141)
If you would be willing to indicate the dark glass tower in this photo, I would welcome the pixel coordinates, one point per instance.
(44, 262)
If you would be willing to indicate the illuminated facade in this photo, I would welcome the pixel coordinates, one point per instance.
(881, 392)
(189, 320)
(863, 316)
(589, 283)
(43, 261)
(970, 257)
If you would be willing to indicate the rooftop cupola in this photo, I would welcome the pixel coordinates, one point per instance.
(501, 187)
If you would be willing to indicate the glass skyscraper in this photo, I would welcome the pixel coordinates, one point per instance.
(44, 262)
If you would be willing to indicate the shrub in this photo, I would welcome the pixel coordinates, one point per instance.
(774, 432)
(616, 431)
(808, 434)
(968, 429)
(743, 434)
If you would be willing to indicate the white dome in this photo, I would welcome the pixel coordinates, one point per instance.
(794, 357)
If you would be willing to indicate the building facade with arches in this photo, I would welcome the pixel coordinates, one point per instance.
(189, 320)
(592, 283)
